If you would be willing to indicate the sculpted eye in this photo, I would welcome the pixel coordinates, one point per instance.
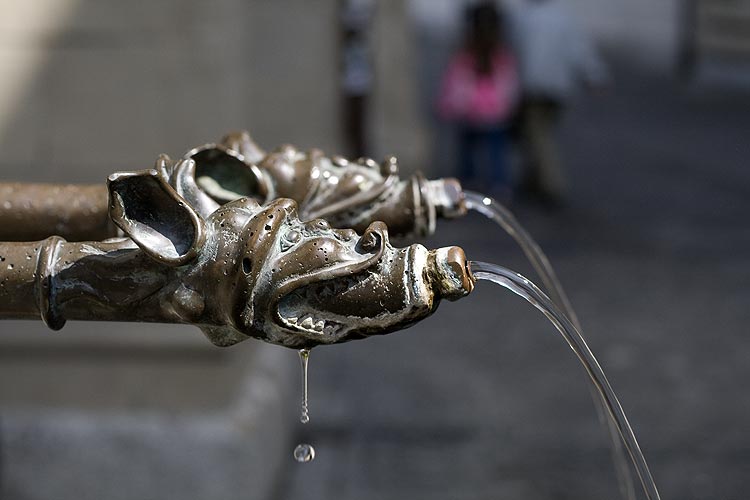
(293, 237)
(290, 239)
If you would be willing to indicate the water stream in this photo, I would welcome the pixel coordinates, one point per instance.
(530, 292)
(539, 261)
(505, 219)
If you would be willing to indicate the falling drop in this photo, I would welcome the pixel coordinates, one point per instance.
(304, 453)
(304, 356)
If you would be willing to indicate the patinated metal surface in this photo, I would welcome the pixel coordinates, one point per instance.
(347, 194)
(245, 270)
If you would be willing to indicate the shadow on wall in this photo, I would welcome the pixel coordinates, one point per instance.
(92, 87)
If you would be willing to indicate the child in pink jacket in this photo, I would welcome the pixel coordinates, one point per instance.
(479, 93)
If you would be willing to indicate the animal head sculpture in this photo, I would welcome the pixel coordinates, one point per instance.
(347, 194)
(250, 270)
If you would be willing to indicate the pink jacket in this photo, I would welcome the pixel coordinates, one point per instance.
(479, 99)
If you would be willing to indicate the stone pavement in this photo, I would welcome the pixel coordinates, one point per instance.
(484, 400)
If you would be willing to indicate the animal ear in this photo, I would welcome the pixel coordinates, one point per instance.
(243, 143)
(155, 217)
(183, 181)
(225, 175)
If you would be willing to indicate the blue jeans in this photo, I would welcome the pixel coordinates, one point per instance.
(483, 152)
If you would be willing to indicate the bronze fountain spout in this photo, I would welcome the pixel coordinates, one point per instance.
(346, 193)
(243, 270)
(349, 194)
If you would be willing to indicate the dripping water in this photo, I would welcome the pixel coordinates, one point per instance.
(304, 356)
(541, 264)
(304, 452)
(527, 290)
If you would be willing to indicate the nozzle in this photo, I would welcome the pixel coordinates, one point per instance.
(448, 197)
(450, 273)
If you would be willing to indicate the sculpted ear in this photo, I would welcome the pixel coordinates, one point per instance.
(155, 217)
(225, 175)
(241, 142)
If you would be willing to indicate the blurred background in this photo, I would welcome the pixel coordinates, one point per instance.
(483, 400)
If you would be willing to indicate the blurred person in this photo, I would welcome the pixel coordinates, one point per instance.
(479, 93)
(555, 57)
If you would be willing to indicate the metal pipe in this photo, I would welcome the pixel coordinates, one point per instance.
(30, 212)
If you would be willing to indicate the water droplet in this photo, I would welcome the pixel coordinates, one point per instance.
(304, 453)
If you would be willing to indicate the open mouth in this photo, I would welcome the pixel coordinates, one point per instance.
(307, 308)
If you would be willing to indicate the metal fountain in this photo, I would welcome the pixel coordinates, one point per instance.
(286, 246)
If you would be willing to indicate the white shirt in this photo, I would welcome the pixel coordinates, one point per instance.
(553, 54)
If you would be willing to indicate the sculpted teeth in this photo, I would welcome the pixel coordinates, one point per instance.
(312, 294)
(307, 322)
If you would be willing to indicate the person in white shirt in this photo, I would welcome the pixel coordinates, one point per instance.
(555, 57)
